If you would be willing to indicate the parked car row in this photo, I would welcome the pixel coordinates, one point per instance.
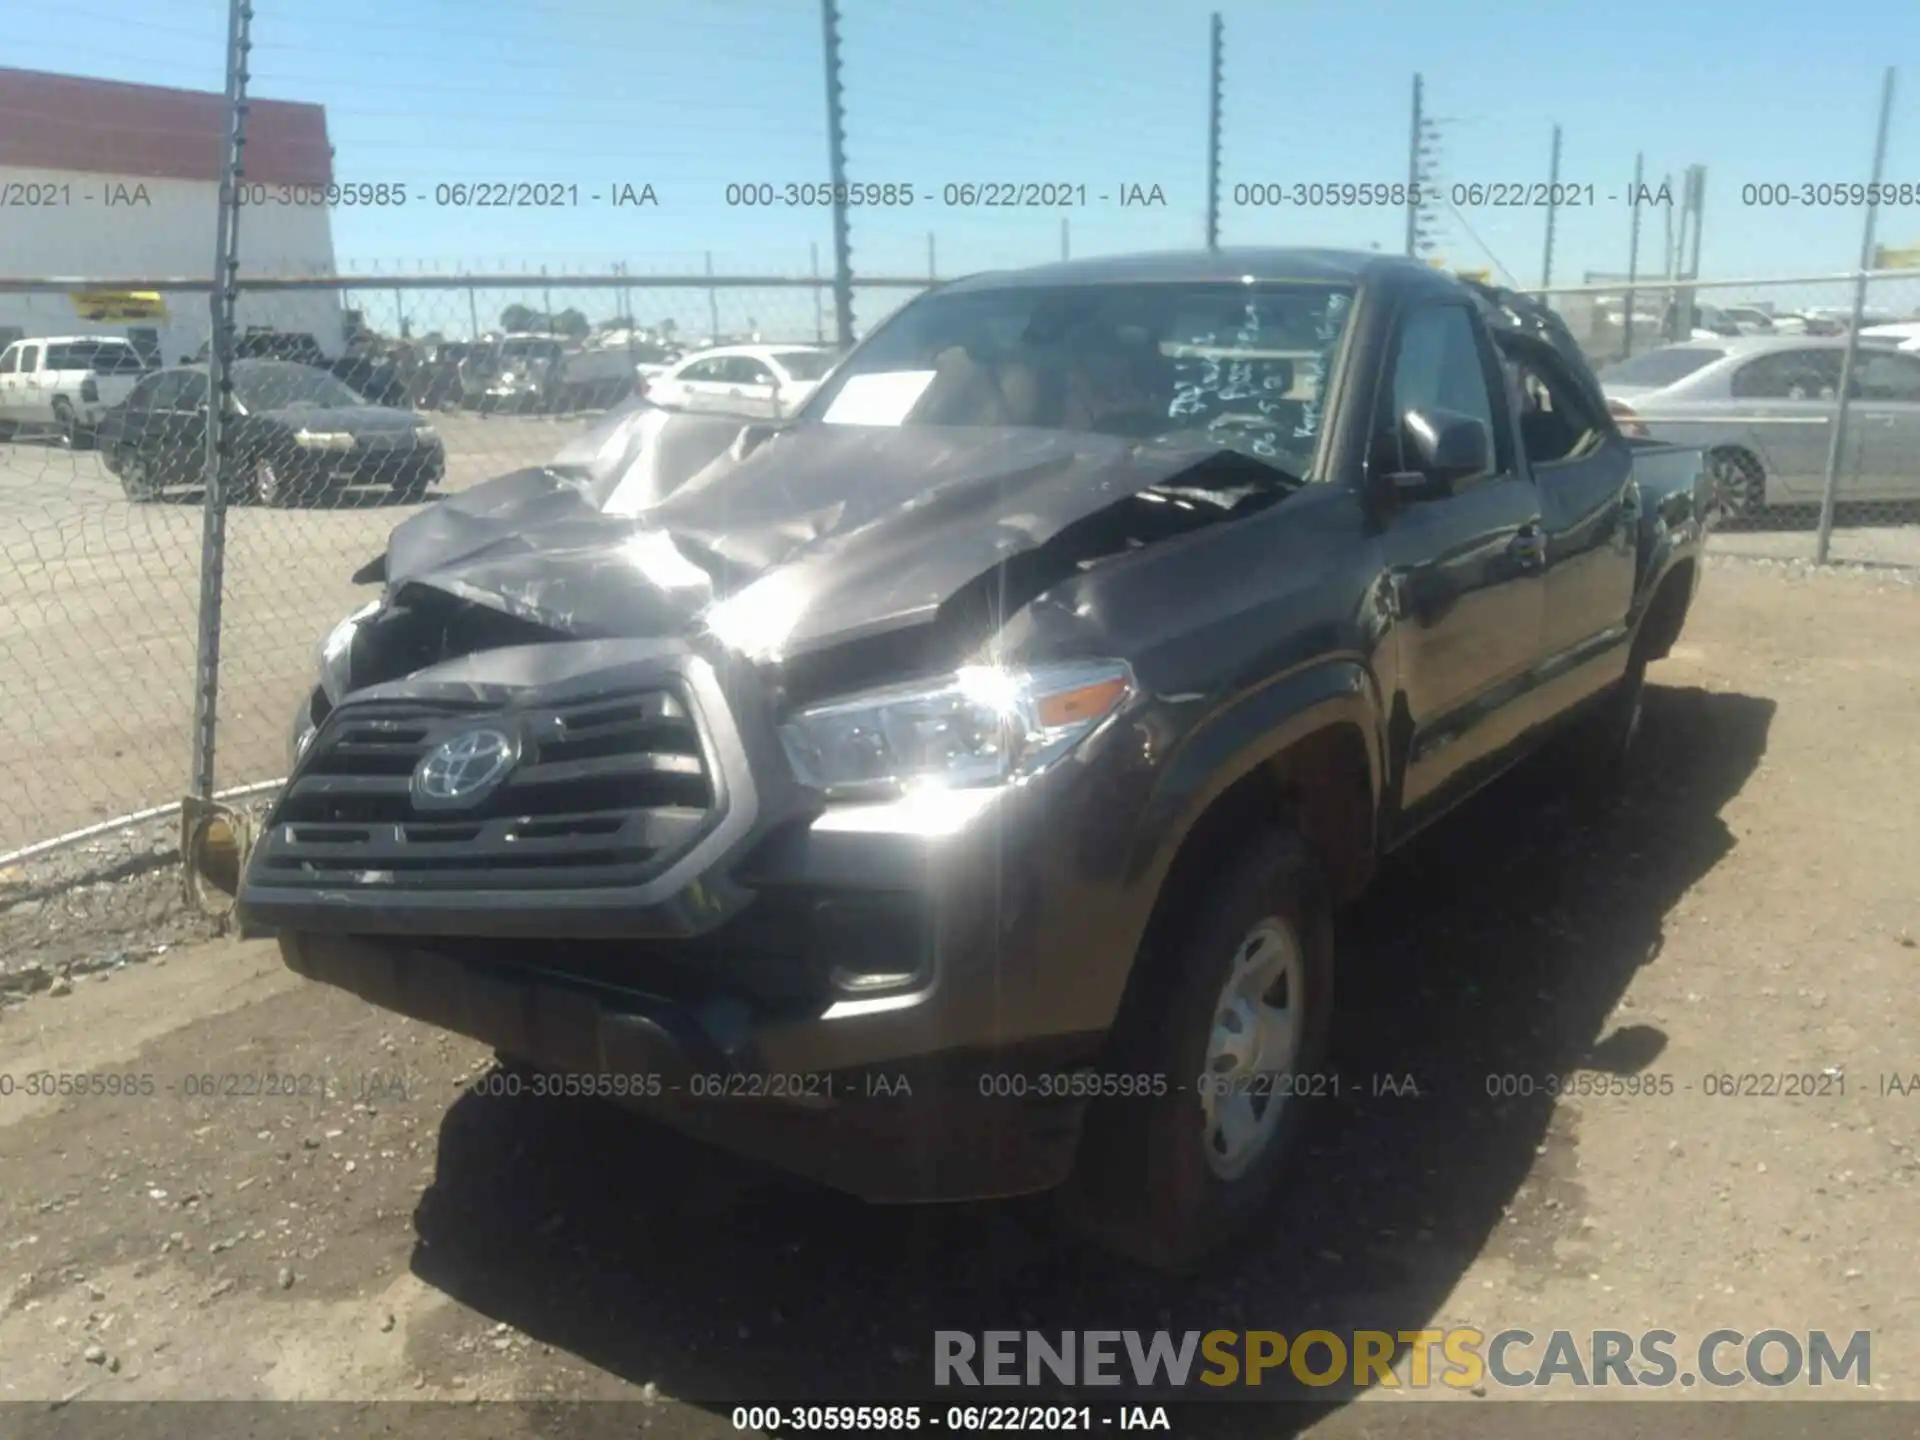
(299, 433)
(1763, 408)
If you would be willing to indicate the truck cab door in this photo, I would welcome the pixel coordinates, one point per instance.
(10, 382)
(31, 403)
(1590, 510)
(1465, 569)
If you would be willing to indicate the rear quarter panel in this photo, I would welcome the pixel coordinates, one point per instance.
(1676, 512)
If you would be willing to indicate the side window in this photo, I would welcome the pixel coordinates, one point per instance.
(1789, 375)
(29, 359)
(711, 370)
(1887, 376)
(167, 388)
(10, 362)
(1556, 421)
(1439, 364)
(748, 371)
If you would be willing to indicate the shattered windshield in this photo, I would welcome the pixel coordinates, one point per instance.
(1241, 366)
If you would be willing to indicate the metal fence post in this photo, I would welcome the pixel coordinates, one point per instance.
(837, 173)
(1413, 173)
(1633, 253)
(1837, 447)
(819, 299)
(1553, 207)
(213, 505)
(1214, 86)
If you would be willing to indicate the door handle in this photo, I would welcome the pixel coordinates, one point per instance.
(1529, 547)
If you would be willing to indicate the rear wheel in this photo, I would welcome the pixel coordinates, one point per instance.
(68, 423)
(1234, 1011)
(136, 477)
(1739, 484)
(268, 484)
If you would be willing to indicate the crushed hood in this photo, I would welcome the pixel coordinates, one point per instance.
(660, 523)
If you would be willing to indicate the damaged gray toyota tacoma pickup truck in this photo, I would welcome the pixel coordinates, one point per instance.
(947, 792)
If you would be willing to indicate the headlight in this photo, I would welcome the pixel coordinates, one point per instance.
(335, 656)
(425, 432)
(981, 726)
(323, 440)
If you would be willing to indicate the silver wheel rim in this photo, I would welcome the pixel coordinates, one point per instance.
(266, 483)
(133, 470)
(1253, 1043)
(1734, 487)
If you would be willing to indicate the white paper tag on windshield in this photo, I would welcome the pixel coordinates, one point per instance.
(878, 399)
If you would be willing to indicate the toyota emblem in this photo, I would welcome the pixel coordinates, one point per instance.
(463, 769)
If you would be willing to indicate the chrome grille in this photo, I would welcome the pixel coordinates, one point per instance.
(607, 791)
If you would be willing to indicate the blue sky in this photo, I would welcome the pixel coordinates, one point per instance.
(691, 96)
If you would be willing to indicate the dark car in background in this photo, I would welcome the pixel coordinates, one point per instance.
(299, 433)
(375, 378)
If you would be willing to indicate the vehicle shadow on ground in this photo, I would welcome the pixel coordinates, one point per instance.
(1499, 949)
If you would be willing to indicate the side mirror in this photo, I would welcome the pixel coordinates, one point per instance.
(751, 438)
(1446, 449)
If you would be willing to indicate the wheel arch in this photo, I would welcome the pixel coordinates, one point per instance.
(1307, 750)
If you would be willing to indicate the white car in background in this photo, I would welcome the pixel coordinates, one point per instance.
(1905, 334)
(760, 381)
(66, 383)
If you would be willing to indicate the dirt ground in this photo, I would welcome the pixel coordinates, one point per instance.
(1752, 909)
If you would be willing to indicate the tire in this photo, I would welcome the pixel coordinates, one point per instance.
(66, 422)
(1600, 750)
(7, 429)
(411, 492)
(1739, 484)
(136, 477)
(1155, 1179)
(267, 485)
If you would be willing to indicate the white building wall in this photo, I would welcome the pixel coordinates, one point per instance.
(113, 227)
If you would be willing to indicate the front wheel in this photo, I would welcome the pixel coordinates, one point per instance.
(136, 478)
(1234, 1011)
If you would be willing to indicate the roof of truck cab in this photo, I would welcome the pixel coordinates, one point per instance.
(1251, 263)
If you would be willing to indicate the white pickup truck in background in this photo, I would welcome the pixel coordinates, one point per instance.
(66, 383)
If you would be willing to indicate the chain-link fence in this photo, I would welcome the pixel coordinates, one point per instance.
(1753, 372)
(341, 426)
(480, 367)
(101, 475)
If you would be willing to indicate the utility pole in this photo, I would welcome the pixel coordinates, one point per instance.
(1214, 89)
(1066, 239)
(1414, 170)
(1633, 253)
(819, 300)
(1553, 205)
(713, 307)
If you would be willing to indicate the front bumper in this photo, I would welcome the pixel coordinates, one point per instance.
(401, 466)
(843, 993)
(863, 1101)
